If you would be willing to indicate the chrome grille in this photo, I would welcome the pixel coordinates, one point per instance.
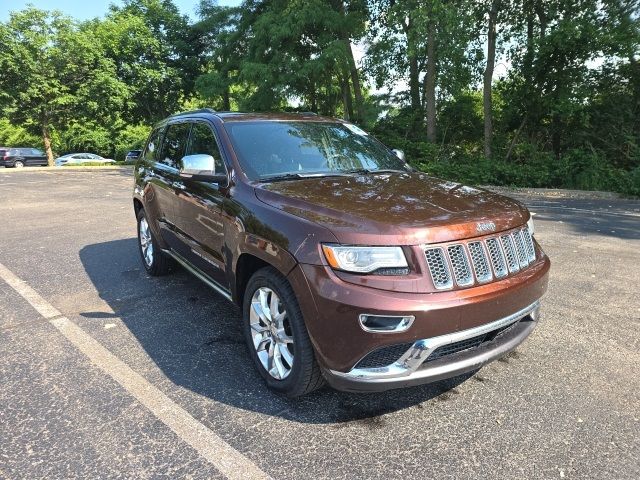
(480, 260)
(522, 255)
(510, 253)
(438, 268)
(528, 245)
(480, 263)
(497, 258)
(460, 264)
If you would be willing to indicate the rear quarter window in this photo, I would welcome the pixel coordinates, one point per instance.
(174, 144)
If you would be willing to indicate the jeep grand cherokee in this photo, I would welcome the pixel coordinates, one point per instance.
(348, 265)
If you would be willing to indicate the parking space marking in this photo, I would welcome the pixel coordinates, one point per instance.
(230, 462)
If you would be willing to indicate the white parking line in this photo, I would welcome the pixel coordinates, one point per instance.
(230, 462)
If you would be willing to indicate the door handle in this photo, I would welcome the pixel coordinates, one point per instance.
(178, 185)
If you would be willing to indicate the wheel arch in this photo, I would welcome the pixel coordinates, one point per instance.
(259, 255)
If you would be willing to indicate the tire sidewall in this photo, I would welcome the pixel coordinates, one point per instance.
(263, 279)
(148, 268)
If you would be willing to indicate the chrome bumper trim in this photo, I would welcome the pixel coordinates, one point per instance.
(407, 367)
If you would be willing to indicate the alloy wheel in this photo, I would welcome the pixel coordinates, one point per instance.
(271, 333)
(18, 164)
(146, 243)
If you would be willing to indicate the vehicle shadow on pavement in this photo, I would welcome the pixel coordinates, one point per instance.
(194, 336)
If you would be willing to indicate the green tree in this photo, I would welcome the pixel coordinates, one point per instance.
(51, 72)
(429, 44)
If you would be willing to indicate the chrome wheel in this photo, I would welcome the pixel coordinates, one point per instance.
(146, 244)
(18, 164)
(271, 333)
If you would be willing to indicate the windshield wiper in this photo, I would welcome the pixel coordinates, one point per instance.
(295, 176)
(368, 171)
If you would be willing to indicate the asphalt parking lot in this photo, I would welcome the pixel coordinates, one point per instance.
(108, 373)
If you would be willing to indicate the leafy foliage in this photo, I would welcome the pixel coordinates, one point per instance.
(561, 108)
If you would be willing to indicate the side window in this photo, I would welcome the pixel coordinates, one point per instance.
(153, 146)
(203, 141)
(36, 152)
(174, 144)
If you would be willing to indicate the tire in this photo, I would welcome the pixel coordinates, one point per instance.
(302, 374)
(155, 261)
(18, 164)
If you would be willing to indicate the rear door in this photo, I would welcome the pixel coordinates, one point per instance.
(164, 173)
(198, 214)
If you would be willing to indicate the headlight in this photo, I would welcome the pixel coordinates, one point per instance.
(366, 259)
(530, 226)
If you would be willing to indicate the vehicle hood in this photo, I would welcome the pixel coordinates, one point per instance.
(397, 208)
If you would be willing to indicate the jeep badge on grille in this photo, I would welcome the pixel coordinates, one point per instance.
(484, 227)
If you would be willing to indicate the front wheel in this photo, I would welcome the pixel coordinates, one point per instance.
(277, 337)
(155, 261)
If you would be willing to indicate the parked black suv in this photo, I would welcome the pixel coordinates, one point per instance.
(22, 157)
(132, 156)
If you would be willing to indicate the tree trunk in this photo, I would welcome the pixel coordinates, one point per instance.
(430, 81)
(46, 139)
(515, 138)
(528, 60)
(542, 17)
(488, 78)
(414, 82)
(346, 98)
(355, 80)
(314, 98)
(226, 95)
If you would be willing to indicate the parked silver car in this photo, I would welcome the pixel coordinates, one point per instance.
(80, 158)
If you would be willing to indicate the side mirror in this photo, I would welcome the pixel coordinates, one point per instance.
(201, 168)
(399, 154)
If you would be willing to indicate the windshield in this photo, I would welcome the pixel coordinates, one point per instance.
(271, 149)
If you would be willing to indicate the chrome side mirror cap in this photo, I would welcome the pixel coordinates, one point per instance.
(399, 154)
(200, 164)
(201, 168)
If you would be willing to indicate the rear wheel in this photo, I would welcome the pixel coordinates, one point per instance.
(155, 261)
(18, 164)
(277, 337)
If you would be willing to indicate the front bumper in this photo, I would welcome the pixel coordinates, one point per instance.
(414, 368)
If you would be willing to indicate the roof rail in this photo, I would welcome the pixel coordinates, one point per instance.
(192, 112)
(309, 113)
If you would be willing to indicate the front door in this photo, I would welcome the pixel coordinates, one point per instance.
(37, 157)
(164, 174)
(199, 209)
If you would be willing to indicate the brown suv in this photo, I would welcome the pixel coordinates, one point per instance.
(348, 265)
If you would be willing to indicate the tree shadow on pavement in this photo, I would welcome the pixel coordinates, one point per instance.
(601, 217)
(194, 336)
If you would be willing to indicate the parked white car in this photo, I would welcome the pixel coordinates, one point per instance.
(80, 158)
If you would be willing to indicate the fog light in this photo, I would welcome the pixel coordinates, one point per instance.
(385, 323)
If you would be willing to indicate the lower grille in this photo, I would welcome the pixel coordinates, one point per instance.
(456, 347)
(467, 343)
(383, 356)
